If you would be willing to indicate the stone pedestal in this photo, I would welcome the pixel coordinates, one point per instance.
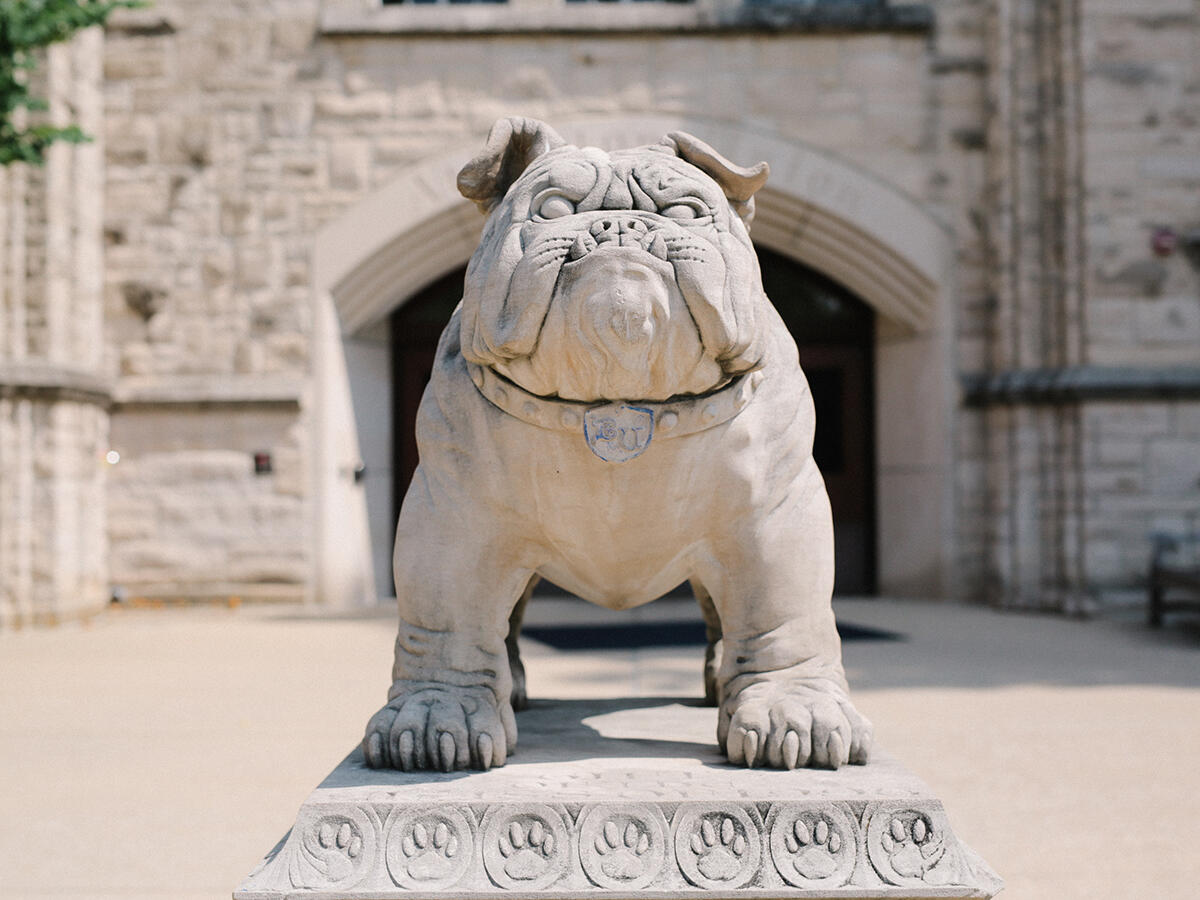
(621, 798)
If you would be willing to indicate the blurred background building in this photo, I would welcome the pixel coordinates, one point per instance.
(982, 225)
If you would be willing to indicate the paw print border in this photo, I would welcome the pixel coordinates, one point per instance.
(334, 849)
(839, 821)
(891, 828)
(648, 820)
(495, 827)
(458, 862)
(689, 821)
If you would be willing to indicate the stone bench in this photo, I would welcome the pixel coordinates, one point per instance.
(1174, 567)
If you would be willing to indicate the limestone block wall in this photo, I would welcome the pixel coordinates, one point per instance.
(1142, 477)
(1142, 142)
(188, 515)
(53, 393)
(1090, 161)
(1142, 137)
(235, 132)
(1052, 139)
(210, 209)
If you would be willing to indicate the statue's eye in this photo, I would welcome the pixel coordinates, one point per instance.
(684, 209)
(555, 207)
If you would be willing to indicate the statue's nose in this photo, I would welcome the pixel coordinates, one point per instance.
(622, 229)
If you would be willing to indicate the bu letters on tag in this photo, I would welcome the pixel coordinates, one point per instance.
(617, 433)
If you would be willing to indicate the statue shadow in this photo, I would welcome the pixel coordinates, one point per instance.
(639, 731)
(629, 727)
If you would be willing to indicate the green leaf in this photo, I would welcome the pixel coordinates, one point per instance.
(25, 27)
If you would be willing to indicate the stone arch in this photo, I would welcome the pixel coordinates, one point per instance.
(818, 209)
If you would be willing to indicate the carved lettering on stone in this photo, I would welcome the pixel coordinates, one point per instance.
(618, 432)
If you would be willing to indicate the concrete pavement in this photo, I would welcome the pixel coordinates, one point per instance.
(160, 754)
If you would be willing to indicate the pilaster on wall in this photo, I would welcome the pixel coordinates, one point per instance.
(1036, 244)
(53, 397)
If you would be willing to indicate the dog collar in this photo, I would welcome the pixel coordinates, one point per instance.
(618, 430)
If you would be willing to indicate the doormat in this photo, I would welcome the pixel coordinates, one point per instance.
(662, 634)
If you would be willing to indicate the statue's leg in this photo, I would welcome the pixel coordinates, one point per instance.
(782, 691)
(457, 580)
(712, 636)
(520, 700)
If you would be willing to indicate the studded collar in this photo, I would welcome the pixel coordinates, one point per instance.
(618, 430)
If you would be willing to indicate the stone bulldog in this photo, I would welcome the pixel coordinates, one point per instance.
(616, 406)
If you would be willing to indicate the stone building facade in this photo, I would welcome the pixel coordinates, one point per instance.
(1010, 186)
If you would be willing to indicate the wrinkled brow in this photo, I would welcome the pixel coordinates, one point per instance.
(576, 178)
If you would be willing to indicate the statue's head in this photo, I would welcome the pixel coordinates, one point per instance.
(611, 275)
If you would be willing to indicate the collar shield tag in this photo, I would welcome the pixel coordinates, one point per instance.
(618, 432)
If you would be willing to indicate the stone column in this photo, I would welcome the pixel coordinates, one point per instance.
(1036, 244)
(53, 395)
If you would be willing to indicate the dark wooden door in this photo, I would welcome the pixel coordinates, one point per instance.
(416, 327)
(834, 331)
(838, 376)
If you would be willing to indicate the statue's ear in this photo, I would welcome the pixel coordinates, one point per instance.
(739, 183)
(512, 144)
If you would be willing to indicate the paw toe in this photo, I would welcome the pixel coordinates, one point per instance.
(742, 748)
(829, 723)
(793, 752)
(485, 753)
(862, 735)
(404, 753)
(744, 743)
(750, 748)
(373, 750)
(375, 740)
(836, 754)
(789, 741)
(447, 752)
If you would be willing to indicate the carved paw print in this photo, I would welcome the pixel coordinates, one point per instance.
(718, 852)
(430, 855)
(621, 855)
(814, 850)
(912, 847)
(527, 849)
(341, 847)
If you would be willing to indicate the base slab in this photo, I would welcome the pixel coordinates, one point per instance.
(614, 799)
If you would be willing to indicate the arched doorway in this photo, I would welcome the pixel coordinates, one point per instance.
(835, 332)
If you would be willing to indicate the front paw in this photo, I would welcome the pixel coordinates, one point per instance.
(436, 726)
(808, 722)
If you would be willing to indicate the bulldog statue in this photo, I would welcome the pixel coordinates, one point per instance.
(616, 406)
